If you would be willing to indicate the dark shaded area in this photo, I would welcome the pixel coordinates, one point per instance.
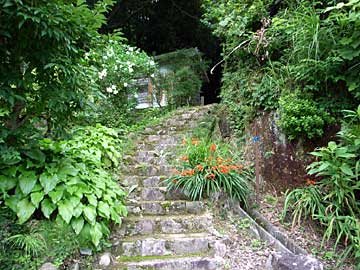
(161, 26)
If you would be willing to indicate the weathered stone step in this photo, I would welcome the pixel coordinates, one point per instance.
(177, 207)
(165, 244)
(153, 157)
(156, 194)
(146, 225)
(180, 263)
(161, 147)
(147, 169)
(143, 181)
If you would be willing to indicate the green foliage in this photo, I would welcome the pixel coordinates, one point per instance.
(333, 201)
(180, 76)
(302, 118)
(68, 180)
(205, 171)
(275, 48)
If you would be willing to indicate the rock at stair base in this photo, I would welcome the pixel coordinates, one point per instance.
(288, 261)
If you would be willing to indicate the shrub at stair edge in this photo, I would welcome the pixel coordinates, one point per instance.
(333, 200)
(205, 169)
(68, 181)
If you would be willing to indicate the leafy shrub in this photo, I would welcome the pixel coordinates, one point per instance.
(205, 170)
(68, 180)
(302, 118)
(333, 200)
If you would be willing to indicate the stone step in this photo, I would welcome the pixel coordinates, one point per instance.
(153, 157)
(165, 244)
(143, 181)
(163, 147)
(171, 263)
(156, 194)
(145, 169)
(169, 224)
(178, 207)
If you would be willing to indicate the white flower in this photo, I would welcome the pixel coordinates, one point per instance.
(116, 92)
(113, 87)
(131, 49)
(136, 95)
(103, 74)
(152, 63)
(109, 89)
(126, 84)
(105, 57)
(152, 75)
(131, 69)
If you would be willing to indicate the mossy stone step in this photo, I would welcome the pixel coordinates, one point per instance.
(145, 169)
(165, 244)
(177, 207)
(169, 224)
(173, 263)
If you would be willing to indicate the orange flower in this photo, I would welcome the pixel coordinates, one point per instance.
(183, 141)
(224, 169)
(219, 160)
(174, 181)
(212, 147)
(184, 158)
(240, 167)
(199, 167)
(188, 173)
(229, 160)
(211, 176)
(310, 182)
(214, 168)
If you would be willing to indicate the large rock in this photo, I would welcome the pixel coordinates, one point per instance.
(289, 261)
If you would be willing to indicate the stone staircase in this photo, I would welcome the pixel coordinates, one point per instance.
(164, 230)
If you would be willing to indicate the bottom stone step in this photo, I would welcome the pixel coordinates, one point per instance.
(187, 263)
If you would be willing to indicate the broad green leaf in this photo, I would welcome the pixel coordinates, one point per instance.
(115, 216)
(25, 210)
(48, 181)
(74, 201)
(7, 182)
(345, 168)
(57, 194)
(104, 210)
(12, 202)
(332, 145)
(90, 213)
(77, 224)
(66, 210)
(78, 210)
(92, 199)
(36, 198)
(36, 154)
(96, 234)
(121, 209)
(68, 169)
(47, 207)
(27, 181)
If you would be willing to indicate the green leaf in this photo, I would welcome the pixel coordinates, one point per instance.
(7, 182)
(57, 194)
(12, 203)
(96, 234)
(48, 181)
(115, 216)
(47, 207)
(121, 209)
(36, 154)
(92, 199)
(78, 210)
(77, 224)
(90, 214)
(36, 198)
(345, 168)
(104, 210)
(25, 210)
(27, 181)
(68, 169)
(66, 210)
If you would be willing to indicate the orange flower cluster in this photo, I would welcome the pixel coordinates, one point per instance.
(226, 168)
(199, 167)
(310, 182)
(188, 173)
(210, 176)
(212, 147)
(184, 158)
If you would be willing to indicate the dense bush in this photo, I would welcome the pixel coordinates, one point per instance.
(68, 181)
(332, 199)
(206, 169)
(275, 48)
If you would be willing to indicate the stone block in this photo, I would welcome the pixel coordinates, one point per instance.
(289, 261)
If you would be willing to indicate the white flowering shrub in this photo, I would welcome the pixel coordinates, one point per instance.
(113, 68)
